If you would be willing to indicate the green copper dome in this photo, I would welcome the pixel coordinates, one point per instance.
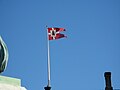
(3, 55)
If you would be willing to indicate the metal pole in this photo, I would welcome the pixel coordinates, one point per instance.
(48, 59)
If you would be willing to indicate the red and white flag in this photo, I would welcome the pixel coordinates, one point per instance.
(54, 33)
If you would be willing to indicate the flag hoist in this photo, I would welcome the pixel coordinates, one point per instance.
(52, 34)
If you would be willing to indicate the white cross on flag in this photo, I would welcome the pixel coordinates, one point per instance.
(54, 33)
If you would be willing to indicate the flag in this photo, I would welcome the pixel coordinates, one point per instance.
(3, 55)
(54, 33)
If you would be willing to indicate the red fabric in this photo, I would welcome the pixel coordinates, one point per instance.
(60, 36)
(57, 29)
(54, 33)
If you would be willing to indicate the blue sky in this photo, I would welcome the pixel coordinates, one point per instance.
(78, 62)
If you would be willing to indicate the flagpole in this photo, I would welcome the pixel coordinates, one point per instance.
(48, 62)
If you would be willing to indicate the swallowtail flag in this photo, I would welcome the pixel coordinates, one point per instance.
(54, 33)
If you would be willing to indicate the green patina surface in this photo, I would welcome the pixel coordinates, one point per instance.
(10, 81)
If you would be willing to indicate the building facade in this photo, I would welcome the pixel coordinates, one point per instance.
(8, 83)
